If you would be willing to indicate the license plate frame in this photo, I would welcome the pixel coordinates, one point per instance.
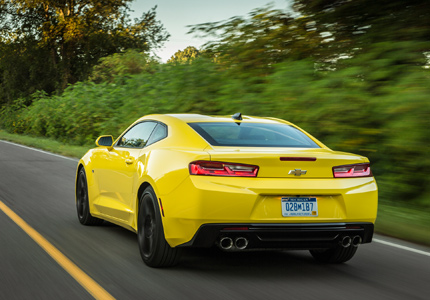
(299, 206)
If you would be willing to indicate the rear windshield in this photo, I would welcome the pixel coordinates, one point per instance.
(252, 135)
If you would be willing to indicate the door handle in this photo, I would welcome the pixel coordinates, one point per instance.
(129, 161)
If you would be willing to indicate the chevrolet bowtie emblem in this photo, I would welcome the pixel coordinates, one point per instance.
(297, 172)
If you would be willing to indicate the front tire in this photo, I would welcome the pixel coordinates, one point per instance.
(154, 249)
(335, 255)
(82, 204)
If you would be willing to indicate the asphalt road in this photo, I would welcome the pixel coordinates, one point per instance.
(39, 188)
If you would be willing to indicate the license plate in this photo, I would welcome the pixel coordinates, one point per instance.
(299, 207)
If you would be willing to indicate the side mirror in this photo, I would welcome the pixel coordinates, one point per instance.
(105, 140)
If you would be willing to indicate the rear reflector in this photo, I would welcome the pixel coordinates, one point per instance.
(353, 227)
(216, 168)
(235, 228)
(358, 170)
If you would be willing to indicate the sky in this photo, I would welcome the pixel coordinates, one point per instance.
(175, 15)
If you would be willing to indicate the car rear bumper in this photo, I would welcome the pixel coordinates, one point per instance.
(282, 236)
(201, 200)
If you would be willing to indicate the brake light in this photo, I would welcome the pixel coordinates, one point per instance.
(358, 170)
(216, 168)
(298, 158)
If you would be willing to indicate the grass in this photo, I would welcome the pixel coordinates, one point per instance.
(393, 219)
(45, 144)
(405, 223)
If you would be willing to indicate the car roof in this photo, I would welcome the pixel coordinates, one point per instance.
(191, 118)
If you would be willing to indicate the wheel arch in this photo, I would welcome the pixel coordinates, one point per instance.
(143, 186)
(78, 169)
(83, 164)
(140, 191)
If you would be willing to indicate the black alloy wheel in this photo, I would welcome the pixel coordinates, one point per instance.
(82, 204)
(154, 249)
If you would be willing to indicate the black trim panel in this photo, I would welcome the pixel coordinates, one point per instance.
(282, 236)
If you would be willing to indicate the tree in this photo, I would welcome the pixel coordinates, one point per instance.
(254, 44)
(76, 33)
(23, 70)
(185, 56)
(354, 26)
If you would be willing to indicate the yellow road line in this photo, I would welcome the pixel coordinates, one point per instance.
(83, 279)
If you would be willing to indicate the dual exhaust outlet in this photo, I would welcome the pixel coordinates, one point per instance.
(347, 241)
(240, 243)
(227, 243)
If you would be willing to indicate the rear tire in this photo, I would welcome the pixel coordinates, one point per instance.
(336, 255)
(154, 249)
(82, 204)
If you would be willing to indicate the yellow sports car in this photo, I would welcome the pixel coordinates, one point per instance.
(238, 182)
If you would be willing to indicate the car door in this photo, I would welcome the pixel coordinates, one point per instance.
(118, 174)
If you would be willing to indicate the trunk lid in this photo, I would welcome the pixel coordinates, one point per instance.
(287, 163)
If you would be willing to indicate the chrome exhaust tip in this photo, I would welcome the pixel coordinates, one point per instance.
(345, 242)
(226, 243)
(356, 240)
(241, 243)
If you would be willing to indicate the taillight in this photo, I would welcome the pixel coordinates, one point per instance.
(216, 168)
(358, 170)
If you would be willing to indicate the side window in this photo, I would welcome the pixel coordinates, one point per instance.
(159, 133)
(137, 136)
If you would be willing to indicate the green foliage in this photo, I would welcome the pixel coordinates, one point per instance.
(185, 56)
(129, 62)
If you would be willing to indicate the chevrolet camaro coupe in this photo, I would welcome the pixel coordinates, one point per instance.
(237, 182)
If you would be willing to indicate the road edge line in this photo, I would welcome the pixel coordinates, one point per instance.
(80, 276)
(39, 150)
(402, 247)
